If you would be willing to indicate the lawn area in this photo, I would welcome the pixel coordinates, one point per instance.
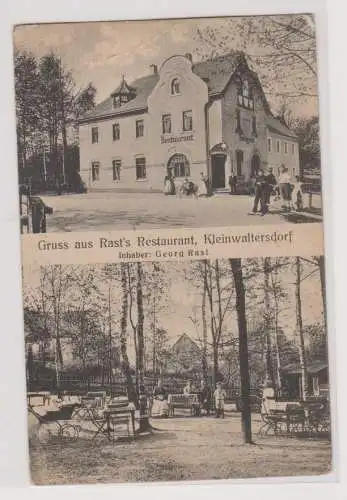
(183, 448)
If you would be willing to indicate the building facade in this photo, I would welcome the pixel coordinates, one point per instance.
(211, 117)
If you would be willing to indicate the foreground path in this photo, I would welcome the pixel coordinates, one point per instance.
(114, 211)
(184, 448)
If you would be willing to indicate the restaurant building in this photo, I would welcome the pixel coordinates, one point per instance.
(209, 117)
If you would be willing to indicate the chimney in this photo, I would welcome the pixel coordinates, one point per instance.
(189, 56)
(154, 69)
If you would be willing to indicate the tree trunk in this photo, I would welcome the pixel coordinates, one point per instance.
(321, 265)
(215, 365)
(269, 354)
(299, 328)
(204, 331)
(236, 269)
(276, 356)
(123, 337)
(109, 336)
(140, 321)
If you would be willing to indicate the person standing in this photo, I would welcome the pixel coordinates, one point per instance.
(202, 187)
(296, 195)
(233, 183)
(205, 397)
(270, 183)
(285, 187)
(267, 398)
(167, 185)
(219, 398)
(259, 194)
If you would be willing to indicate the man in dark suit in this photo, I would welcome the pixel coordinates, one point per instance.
(205, 397)
(260, 194)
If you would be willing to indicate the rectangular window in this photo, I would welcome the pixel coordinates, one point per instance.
(239, 163)
(116, 131)
(277, 146)
(238, 121)
(293, 149)
(116, 101)
(285, 146)
(140, 168)
(139, 128)
(269, 144)
(95, 171)
(116, 166)
(166, 124)
(95, 135)
(187, 121)
(254, 125)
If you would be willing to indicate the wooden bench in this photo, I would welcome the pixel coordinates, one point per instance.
(183, 401)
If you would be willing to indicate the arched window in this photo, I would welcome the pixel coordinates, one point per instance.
(175, 86)
(178, 165)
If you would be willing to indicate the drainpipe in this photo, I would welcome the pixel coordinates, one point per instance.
(207, 136)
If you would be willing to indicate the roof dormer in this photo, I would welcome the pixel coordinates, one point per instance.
(123, 94)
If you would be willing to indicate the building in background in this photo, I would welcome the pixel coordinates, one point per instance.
(211, 117)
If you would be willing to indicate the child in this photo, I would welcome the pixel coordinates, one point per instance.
(297, 194)
(219, 396)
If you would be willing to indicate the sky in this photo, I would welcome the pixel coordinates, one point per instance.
(183, 300)
(101, 52)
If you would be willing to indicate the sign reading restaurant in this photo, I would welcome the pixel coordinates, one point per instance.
(167, 140)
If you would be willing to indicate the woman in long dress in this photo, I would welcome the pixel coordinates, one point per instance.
(160, 405)
(202, 186)
(167, 185)
(284, 183)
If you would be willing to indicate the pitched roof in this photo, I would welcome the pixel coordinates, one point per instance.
(215, 72)
(312, 368)
(184, 338)
(143, 87)
(278, 127)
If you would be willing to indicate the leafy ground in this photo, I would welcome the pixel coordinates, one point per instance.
(183, 448)
(112, 211)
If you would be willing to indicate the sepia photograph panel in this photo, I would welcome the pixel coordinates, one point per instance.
(167, 123)
(171, 371)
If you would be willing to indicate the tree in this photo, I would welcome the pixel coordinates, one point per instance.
(236, 269)
(307, 131)
(50, 300)
(218, 295)
(28, 103)
(300, 330)
(271, 43)
(123, 334)
(47, 105)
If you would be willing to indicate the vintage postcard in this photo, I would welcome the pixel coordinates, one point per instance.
(173, 266)
(155, 124)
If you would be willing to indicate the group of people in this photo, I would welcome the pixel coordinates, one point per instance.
(187, 188)
(286, 189)
(160, 405)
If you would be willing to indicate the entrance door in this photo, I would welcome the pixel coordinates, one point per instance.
(218, 171)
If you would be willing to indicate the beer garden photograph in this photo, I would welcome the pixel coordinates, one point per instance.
(167, 123)
(184, 370)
